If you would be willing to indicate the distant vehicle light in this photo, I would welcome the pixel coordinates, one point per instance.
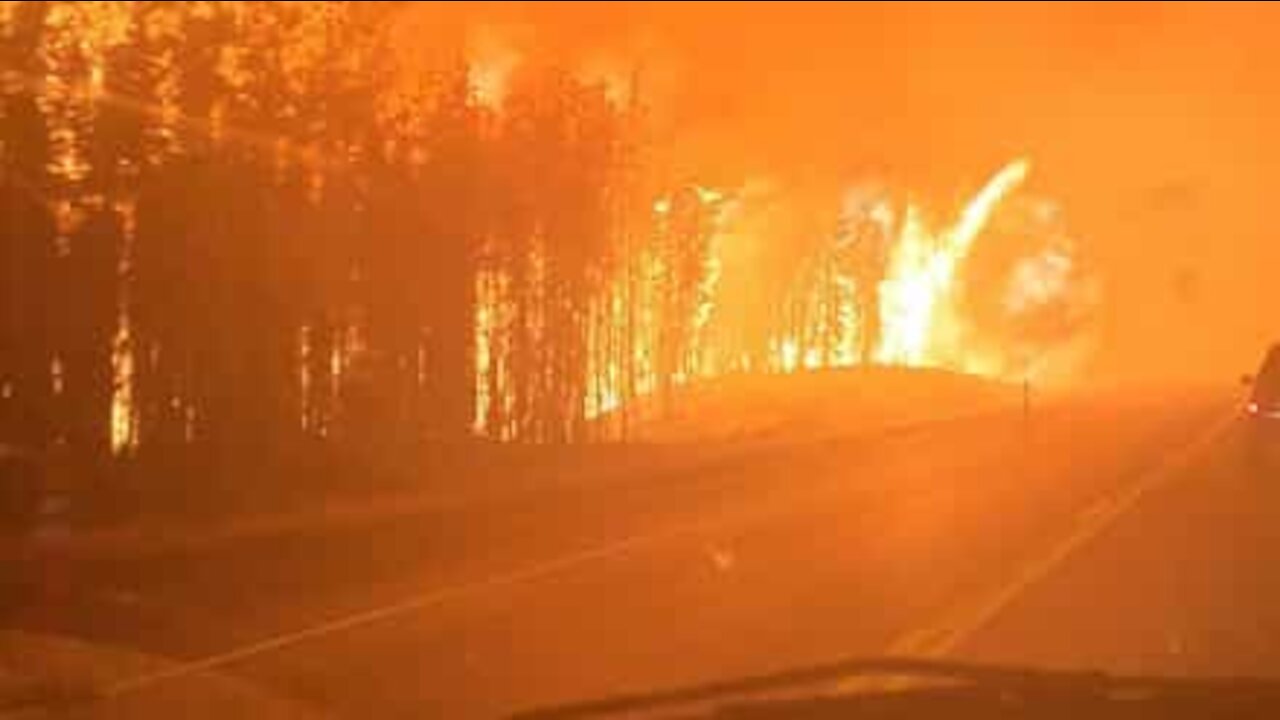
(1256, 410)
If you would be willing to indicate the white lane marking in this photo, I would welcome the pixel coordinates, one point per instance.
(440, 596)
(410, 605)
(431, 599)
(967, 618)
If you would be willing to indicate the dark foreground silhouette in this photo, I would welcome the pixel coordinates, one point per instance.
(910, 688)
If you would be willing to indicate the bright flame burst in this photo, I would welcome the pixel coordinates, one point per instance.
(917, 310)
(920, 322)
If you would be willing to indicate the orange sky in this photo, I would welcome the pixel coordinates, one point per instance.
(1152, 124)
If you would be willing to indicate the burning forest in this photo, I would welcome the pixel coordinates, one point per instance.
(270, 222)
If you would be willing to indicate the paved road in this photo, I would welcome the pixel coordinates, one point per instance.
(1186, 583)
(1124, 534)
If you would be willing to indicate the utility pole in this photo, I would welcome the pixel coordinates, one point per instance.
(1026, 402)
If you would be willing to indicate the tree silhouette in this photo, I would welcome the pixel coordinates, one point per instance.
(287, 239)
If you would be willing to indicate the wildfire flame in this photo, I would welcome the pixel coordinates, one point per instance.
(917, 309)
(919, 315)
(493, 61)
(638, 340)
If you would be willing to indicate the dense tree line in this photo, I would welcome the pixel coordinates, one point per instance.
(250, 226)
(241, 225)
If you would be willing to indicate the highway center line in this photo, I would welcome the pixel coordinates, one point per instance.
(427, 600)
(966, 618)
(418, 603)
(386, 612)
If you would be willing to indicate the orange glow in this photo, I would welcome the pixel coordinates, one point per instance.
(453, 358)
(492, 62)
(124, 420)
(917, 293)
(627, 218)
(920, 320)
